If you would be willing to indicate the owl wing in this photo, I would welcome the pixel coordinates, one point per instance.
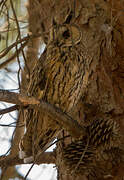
(36, 88)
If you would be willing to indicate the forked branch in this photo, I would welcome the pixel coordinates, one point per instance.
(57, 114)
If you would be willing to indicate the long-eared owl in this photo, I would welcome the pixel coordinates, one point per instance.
(60, 81)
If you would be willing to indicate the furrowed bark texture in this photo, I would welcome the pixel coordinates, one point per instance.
(101, 23)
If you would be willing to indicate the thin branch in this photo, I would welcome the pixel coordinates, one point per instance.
(5, 51)
(66, 121)
(12, 29)
(2, 3)
(46, 158)
(8, 110)
(17, 24)
(40, 153)
(18, 37)
(10, 59)
(19, 70)
(15, 98)
(62, 118)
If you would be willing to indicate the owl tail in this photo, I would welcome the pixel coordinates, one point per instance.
(25, 145)
(30, 150)
(45, 141)
(39, 136)
(45, 132)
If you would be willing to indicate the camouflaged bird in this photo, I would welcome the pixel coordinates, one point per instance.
(60, 82)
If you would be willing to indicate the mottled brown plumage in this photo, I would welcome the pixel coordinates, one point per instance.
(61, 84)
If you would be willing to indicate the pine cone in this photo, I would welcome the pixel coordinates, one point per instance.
(97, 153)
(104, 133)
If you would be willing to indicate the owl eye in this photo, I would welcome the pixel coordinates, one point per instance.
(66, 34)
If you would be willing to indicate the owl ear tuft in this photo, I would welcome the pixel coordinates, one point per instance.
(54, 23)
(69, 18)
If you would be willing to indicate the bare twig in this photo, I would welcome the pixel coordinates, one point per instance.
(10, 109)
(10, 59)
(46, 158)
(19, 70)
(16, 98)
(40, 153)
(8, 25)
(2, 4)
(17, 24)
(5, 51)
(62, 118)
(12, 125)
(66, 121)
(19, 37)
(82, 156)
(12, 29)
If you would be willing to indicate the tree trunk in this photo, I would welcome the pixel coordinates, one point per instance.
(101, 23)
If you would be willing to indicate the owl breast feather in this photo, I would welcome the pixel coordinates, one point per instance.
(64, 71)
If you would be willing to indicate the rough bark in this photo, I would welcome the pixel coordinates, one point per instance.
(101, 23)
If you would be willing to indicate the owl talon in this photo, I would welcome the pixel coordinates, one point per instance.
(28, 159)
(22, 154)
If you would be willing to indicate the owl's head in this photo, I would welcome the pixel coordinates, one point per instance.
(65, 35)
